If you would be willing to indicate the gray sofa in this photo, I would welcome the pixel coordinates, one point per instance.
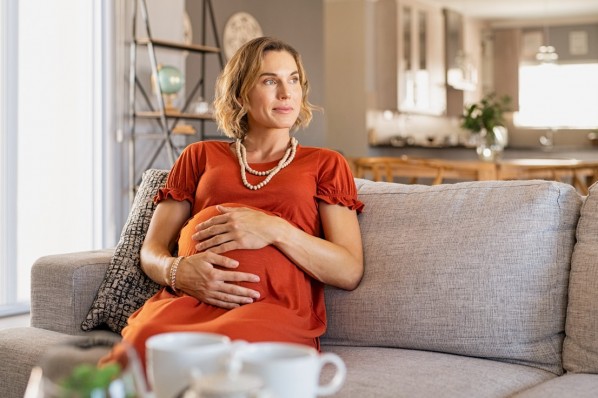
(483, 289)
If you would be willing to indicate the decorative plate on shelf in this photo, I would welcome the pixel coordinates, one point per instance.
(239, 29)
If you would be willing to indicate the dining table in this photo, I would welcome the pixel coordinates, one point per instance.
(579, 173)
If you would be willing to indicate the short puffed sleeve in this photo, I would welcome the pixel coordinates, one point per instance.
(335, 181)
(184, 176)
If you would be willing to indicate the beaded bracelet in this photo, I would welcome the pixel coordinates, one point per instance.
(172, 273)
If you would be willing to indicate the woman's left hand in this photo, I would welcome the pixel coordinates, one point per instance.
(236, 228)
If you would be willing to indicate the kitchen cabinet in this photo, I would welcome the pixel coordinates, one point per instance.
(421, 58)
(456, 81)
(406, 57)
(385, 55)
(463, 44)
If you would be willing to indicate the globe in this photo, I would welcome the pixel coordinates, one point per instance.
(171, 79)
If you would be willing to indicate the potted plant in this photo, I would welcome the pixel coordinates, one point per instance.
(485, 119)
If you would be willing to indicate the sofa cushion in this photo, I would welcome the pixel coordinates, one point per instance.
(477, 269)
(569, 385)
(22, 349)
(125, 286)
(580, 352)
(393, 373)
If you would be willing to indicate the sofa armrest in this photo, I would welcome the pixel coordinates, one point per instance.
(63, 287)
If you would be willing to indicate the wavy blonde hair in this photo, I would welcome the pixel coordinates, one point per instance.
(238, 78)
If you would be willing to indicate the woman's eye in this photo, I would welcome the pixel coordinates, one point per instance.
(269, 82)
(294, 80)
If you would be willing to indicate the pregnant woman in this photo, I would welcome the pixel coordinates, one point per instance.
(261, 223)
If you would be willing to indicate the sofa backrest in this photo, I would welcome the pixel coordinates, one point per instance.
(580, 352)
(478, 269)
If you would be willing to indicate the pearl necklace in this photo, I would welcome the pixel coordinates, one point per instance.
(288, 157)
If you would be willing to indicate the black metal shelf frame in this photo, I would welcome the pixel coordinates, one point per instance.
(166, 121)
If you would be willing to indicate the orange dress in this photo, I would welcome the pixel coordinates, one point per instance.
(291, 304)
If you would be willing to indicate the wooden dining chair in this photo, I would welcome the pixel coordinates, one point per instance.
(580, 174)
(392, 168)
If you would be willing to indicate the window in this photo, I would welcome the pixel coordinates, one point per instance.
(558, 96)
(8, 124)
(51, 131)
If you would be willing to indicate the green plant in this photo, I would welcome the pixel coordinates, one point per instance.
(89, 381)
(486, 114)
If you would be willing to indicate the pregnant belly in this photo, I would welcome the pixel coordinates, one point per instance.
(281, 280)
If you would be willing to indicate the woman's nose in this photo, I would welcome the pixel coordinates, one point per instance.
(285, 92)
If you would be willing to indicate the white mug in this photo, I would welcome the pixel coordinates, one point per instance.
(171, 356)
(291, 370)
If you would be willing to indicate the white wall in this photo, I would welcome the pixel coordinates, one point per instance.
(345, 51)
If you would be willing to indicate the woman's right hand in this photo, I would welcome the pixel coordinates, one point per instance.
(198, 277)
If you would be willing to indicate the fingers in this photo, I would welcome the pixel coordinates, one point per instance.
(216, 259)
(224, 294)
(206, 240)
(221, 249)
(239, 228)
(232, 293)
(205, 232)
(218, 246)
(222, 304)
(221, 219)
(227, 301)
(212, 235)
(235, 276)
(231, 300)
(228, 276)
(225, 209)
(218, 285)
(210, 259)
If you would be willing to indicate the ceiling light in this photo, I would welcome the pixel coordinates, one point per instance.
(546, 53)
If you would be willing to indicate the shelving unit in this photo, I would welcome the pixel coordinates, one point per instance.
(165, 119)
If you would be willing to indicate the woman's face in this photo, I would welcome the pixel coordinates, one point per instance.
(275, 99)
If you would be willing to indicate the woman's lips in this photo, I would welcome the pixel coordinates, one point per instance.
(283, 109)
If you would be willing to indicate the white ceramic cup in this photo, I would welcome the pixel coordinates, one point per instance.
(291, 370)
(171, 356)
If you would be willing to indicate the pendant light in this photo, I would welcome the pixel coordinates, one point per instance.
(546, 53)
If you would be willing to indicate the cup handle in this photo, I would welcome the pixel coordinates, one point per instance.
(339, 377)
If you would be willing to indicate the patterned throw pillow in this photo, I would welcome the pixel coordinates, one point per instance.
(125, 286)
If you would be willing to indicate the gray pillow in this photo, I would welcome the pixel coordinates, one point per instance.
(477, 269)
(580, 352)
(125, 286)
